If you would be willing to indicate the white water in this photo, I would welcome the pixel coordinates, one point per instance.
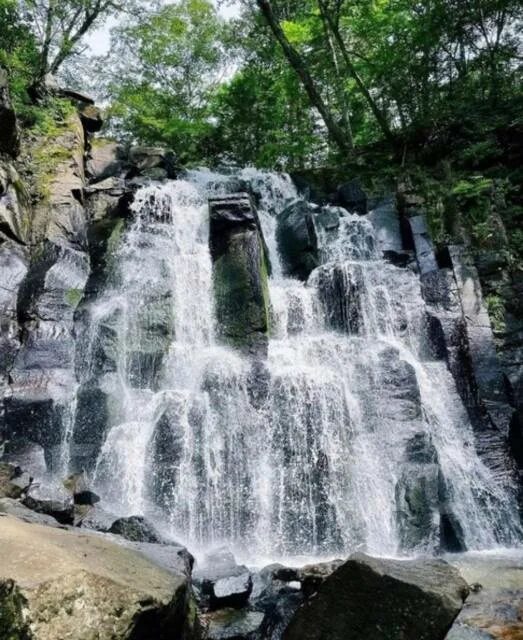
(311, 469)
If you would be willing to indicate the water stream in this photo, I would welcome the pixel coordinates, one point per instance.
(321, 464)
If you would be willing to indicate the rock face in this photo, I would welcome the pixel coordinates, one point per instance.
(297, 240)
(9, 134)
(240, 272)
(376, 598)
(136, 529)
(63, 584)
(494, 608)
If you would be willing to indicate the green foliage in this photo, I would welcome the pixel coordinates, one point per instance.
(496, 310)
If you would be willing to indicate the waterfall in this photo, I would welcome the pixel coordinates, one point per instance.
(355, 424)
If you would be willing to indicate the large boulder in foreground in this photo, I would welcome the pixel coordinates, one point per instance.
(370, 598)
(69, 584)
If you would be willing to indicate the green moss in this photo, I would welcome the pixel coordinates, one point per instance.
(13, 625)
(496, 310)
(73, 297)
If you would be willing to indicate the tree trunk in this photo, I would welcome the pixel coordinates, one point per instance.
(380, 117)
(336, 133)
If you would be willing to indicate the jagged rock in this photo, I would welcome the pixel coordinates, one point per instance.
(15, 208)
(104, 160)
(297, 240)
(222, 582)
(51, 500)
(91, 118)
(385, 220)
(14, 482)
(234, 624)
(82, 586)
(95, 518)
(382, 599)
(9, 133)
(351, 196)
(144, 159)
(422, 244)
(240, 272)
(136, 529)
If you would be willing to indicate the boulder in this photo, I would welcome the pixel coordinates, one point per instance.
(11, 507)
(240, 270)
(82, 586)
(233, 624)
(144, 159)
(136, 529)
(382, 599)
(91, 118)
(494, 608)
(297, 239)
(51, 500)
(14, 482)
(352, 196)
(104, 160)
(223, 583)
(9, 133)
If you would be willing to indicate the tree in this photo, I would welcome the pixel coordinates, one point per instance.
(164, 69)
(340, 137)
(60, 26)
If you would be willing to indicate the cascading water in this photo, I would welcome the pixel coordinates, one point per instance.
(324, 462)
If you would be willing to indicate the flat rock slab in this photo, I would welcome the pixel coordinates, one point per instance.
(378, 599)
(82, 586)
(494, 609)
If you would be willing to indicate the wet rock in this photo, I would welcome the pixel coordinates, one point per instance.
(223, 583)
(51, 500)
(14, 482)
(136, 529)
(232, 624)
(95, 518)
(417, 496)
(15, 206)
(9, 133)
(240, 270)
(297, 240)
(27, 455)
(82, 586)
(423, 244)
(352, 196)
(376, 598)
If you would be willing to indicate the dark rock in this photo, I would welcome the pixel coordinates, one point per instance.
(14, 482)
(86, 498)
(423, 244)
(240, 272)
(91, 118)
(385, 220)
(352, 196)
(136, 529)
(27, 455)
(232, 624)
(297, 240)
(143, 159)
(231, 591)
(51, 500)
(340, 291)
(79, 96)
(382, 599)
(398, 259)
(222, 582)
(14, 624)
(9, 133)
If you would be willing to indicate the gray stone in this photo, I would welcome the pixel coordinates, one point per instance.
(52, 500)
(240, 273)
(231, 624)
(352, 196)
(423, 244)
(104, 160)
(136, 529)
(297, 239)
(382, 599)
(14, 482)
(11, 507)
